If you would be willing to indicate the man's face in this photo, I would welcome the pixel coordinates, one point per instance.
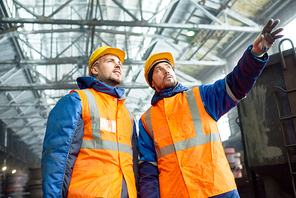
(108, 70)
(163, 76)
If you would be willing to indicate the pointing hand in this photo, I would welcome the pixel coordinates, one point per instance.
(267, 36)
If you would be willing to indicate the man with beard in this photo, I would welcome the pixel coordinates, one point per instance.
(181, 154)
(90, 136)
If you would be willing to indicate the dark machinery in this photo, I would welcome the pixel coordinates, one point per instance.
(267, 121)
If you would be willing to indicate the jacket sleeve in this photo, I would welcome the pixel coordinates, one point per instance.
(148, 181)
(61, 145)
(225, 94)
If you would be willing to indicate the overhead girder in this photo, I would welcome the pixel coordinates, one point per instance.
(126, 85)
(125, 10)
(42, 16)
(222, 27)
(21, 117)
(62, 86)
(207, 13)
(35, 123)
(84, 60)
(11, 29)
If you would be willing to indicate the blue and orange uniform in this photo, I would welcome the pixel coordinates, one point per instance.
(89, 147)
(181, 154)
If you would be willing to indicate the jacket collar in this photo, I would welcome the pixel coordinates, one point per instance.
(166, 93)
(85, 82)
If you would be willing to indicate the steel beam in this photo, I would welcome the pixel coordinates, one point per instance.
(207, 13)
(25, 8)
(84, 60)
(240, 18)
(195, 27)
(21, 117)
(59, 9)
(126, 85)
(24, 105)
(30, 46)
(100, 8)
(165, 8)
(125, 10)
(72, 43)
(60, 86)
(11, 29)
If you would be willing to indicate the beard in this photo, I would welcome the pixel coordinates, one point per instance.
(169, 83)
(113, 78)
(165, 84)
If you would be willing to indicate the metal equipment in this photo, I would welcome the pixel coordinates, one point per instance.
(268, 120)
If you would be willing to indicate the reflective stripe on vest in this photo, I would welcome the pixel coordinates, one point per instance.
(97, 142)
(199, 139)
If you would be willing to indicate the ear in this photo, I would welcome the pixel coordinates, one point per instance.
(94, 70)
(153, 85)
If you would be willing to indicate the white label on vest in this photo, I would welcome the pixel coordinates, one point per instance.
(108, 125)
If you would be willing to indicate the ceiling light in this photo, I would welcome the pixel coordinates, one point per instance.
(4, 168)
(13, 171)
(190, 33)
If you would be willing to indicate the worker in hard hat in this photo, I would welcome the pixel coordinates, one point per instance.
(89, 144)
(181, 154)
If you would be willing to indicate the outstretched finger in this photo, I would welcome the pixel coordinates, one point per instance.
(267, 28)
(278, 36)
(275, 23)
(276, 32)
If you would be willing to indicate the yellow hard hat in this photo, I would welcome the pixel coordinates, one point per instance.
(103, 51)
(156, 58)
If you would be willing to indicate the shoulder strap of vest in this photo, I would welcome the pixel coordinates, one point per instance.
(148, 122)
(132, 123)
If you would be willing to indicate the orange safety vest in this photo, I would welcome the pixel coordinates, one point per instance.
(190, 155)
(105, 159)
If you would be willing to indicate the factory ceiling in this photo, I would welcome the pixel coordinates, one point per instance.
(45, 46)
